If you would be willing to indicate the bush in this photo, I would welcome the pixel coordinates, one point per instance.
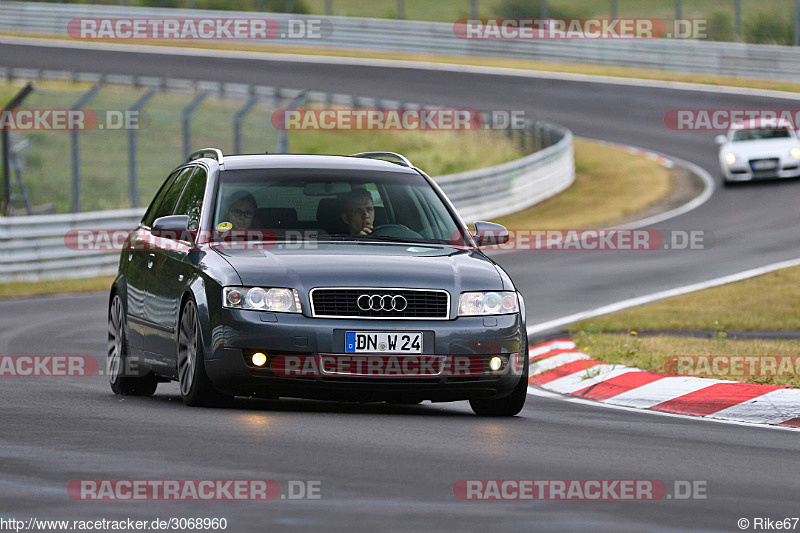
(769, 28)
(720, 26)
(533, 9)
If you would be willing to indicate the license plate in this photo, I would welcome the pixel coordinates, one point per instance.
(382, 342)
(764, 164)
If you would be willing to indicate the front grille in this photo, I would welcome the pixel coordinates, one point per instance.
(343, 303)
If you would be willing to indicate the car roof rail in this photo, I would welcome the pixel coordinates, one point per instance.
(200, 153)
(395, 158)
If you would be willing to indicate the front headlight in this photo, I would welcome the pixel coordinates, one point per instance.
(730, 158)
(487, 303)
(262, 299)
(795, 153)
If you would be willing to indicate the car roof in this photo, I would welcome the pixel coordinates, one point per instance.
(338, 162)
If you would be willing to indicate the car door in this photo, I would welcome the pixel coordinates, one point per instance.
(174, 269)
(156, 307)
(136, 274)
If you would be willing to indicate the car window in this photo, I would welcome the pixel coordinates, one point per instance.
(171, 197)
(150, 214)
(191, 202)
(760, 134)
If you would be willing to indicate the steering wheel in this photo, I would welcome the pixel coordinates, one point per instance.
(395, 230)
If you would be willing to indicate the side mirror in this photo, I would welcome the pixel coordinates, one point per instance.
(720, 139)
(175, 227)
(490, 234)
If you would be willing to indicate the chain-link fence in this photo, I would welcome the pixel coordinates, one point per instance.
(132, 136)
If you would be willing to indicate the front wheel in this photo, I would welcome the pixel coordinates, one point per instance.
(119, 365)
(196, 387)
(510, 405)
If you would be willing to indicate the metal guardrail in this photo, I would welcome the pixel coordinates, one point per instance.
(722, 58)
(33, 247)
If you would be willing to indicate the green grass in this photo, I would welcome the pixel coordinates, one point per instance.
(652, 353)
(104, 154)
(610, 183)
(767, 302)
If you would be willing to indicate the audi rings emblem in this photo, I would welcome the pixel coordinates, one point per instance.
(382, 302)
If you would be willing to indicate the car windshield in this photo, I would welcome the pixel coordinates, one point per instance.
(760, 134)
(310, 204)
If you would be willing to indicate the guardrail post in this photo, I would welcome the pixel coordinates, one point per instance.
(678, 10)
(613, 9)
(6, 147)
(186, 118)
(544, 9)
(473, 9)
(796, 22)
(283, 135)
(329, 7)
(238, 118)
(737, 19)
(138, 106)
(401, 9)
(75, 147)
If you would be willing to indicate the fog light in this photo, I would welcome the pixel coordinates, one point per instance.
(259, 359)
(495, 363)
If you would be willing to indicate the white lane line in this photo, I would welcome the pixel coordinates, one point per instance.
(403, 64)
(648, 298)
(660, 391)
(771, 408)
(708, 190)
(587, 378)
(537, 367)
(542, 393)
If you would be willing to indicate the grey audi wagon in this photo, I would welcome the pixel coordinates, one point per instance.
(325, 277)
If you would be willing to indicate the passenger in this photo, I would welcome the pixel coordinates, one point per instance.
(358, 212)
(242, 211)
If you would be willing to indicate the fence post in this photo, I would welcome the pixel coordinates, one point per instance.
(238, 118)
(473, 9)
(6, 147)
(401, 9)
(613, 9)
(186, 118)
(737, 19)
(796, 22)
(544, 9)
(76, 155)
(283, 135)
(132, 147)
(329, 7)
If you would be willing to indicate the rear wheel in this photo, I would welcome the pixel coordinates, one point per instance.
(511, 404)
(196, 387)
(119, 367)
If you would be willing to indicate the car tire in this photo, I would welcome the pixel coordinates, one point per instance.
(195, 386)
(118, 365)
(512, 404)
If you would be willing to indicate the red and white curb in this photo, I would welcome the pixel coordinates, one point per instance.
(558, 367)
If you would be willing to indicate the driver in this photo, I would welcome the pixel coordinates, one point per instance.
(358, 212)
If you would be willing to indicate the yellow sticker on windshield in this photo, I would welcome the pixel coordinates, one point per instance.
(224, 226)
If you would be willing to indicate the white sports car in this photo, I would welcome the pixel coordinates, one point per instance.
(749, 153)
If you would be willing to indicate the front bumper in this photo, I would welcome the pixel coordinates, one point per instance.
(745, 173)
(286, 334)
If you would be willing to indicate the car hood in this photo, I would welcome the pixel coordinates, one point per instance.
(365, 265)
(765, 148)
